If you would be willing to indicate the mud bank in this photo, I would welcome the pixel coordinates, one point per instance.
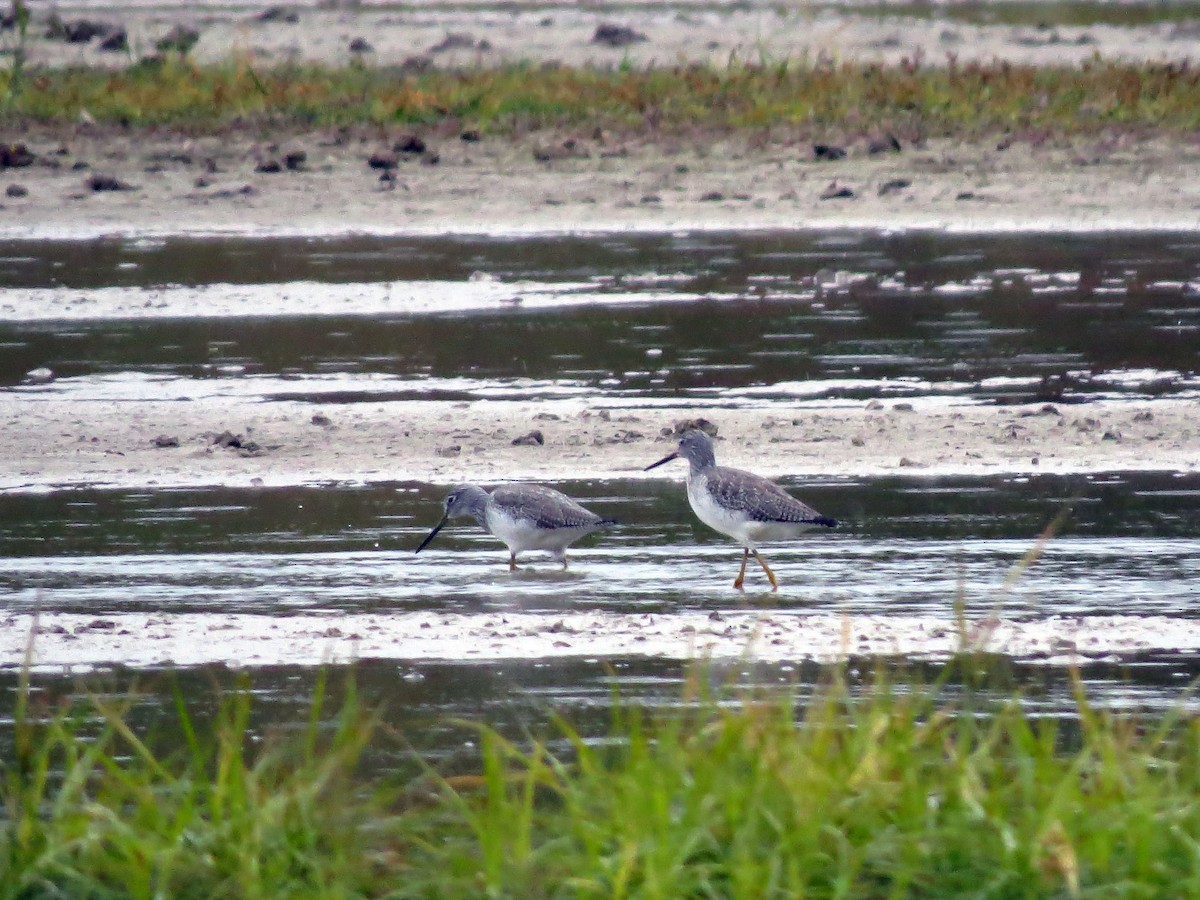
(210, 185)
(150, 640)
(49, 443)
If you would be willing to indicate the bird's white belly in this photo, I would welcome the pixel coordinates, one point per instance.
(522, 534)
(735, 523)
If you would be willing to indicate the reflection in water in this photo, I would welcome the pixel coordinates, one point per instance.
(775, 315)
(907, 547)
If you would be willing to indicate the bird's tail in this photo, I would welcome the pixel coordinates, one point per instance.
(826, 521)
(608, 522)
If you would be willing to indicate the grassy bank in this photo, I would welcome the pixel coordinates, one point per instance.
(886, 789)
(912, 100)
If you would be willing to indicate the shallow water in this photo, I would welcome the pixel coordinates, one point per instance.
(742, 319)
(904, 547)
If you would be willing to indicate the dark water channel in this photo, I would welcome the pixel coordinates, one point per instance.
(747, 318)
(743, 317)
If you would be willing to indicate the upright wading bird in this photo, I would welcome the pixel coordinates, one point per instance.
(744, 506)
(523, 516)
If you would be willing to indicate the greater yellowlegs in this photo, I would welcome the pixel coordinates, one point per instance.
(746, 507)
(523, 516)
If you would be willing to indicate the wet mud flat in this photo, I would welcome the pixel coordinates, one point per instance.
(945, 397)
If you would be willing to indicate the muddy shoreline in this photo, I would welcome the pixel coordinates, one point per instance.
(176, 184)
(171, 639)
(113, 443)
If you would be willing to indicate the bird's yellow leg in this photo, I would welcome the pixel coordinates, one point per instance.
(512, 562)
(742, 574)
(762, 562)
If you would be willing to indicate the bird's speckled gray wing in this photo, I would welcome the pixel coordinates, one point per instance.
(763, 500)
(545, 507)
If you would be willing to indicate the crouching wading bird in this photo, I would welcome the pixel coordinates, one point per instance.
(746, 507)
(523, 516)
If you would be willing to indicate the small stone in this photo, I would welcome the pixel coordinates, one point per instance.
(874, 404)
(857, 441)
(828, 152)
(321, 419)
(471, 137)
(451, 451)
(534, 438)
(16, 190)
(228, 439)
(269, 166)
(893, 185)
(40, 375)
(383, 159)
(294, 160)
(617, 36)
(712, 197)
(361, 45)
(166, 440)
(99, 182)
(116, 41)
(454, 40)
(836, 191)
(15, 156)
(409, 143)
(278, 14)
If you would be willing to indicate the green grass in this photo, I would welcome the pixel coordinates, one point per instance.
(790, 96)
(872, 788)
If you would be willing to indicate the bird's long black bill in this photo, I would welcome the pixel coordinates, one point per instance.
(665, 459)
(431, 535)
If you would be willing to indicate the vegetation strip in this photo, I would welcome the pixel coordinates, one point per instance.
(914, 100)
(872, 787)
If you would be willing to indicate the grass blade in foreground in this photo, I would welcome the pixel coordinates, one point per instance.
(882, 788)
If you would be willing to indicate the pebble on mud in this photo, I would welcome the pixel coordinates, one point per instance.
(409, 143)
(15, 156)
(617, 36)
(893, 185)
(383, 159)
(116, 41)
(835, 191)
(278, 14)
(534, 438)
(321, 419)
(16, 190)
(828, 152)
(99, 182)
(165, 440)
(361, 45)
